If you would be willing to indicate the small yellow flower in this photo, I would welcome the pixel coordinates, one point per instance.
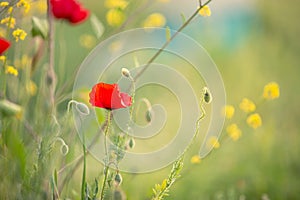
(24, 4)
(4, 4)
(11, 70)
(205, 11)
(87, 41)
(9, 21)
(122, 4)
(2, 58)
(234, 132)
(213, 142)
(228, 111)
(164, 184)
(19, 34)
(155, 20)
(247, 105)
(115, 17)
(254, 120)
(271, 91)
(2, 32)
(10, 9)
(31, 88)
(41, 7)
(195, 159)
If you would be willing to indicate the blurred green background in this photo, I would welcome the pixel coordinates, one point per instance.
(252, 43)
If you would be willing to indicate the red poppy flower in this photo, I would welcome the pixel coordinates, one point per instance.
(70, 10)
(109, 96)
(4, 45)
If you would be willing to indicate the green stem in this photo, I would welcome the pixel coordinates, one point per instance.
(84, 168)
(106, 161)
(51, 76)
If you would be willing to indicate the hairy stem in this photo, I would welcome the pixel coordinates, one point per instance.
(51, 76)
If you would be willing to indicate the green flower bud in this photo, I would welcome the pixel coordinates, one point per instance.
(207, 95)
(10, 109)
(118, 179)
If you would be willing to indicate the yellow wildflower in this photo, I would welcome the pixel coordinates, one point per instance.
(155, 20)
(19, 34)
(4, 4)
(213, 142)
(23, 62)
(31, 88)
(87, 41)
(271, 91)
(195, 159)
(234, 132)
(115, 17)
(164, 184)
(2, 58)
(11, 70)
(205, 11)
(41, 7)
(122, 4)
(10, 9)
(254, 120)
(228, 111)
(24, 4)
(247, 105)
(9, 21)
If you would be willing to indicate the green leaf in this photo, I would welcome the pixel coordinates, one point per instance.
(168, 33)
(97, 26)
(39, 27)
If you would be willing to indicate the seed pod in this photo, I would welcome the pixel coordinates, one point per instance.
(131, 143)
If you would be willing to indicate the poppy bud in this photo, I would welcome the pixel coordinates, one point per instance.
(9, 108)
(149, 115)
(118, 179)
(125, 72)
(131, 143)
(207, 95)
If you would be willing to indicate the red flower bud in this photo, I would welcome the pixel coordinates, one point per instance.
(108, 96)
(4, 45)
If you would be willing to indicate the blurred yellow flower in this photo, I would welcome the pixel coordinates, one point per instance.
(205, 11)
(2, 58)
(87, 41)
(213, 142)
(228, 111)
(9, 21)
(254, 120)
(10, 9)
(23, 62)
(234, 132)
(163, 1)
(19, 34)
(4, 4)
(2, 32)
(115, 17)
(11, 70)
(154, 20)
(41, 7)
(271, 91)
(24, 4)
(247, 105)
(31, 88)
(195, 159)
(122, 4)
